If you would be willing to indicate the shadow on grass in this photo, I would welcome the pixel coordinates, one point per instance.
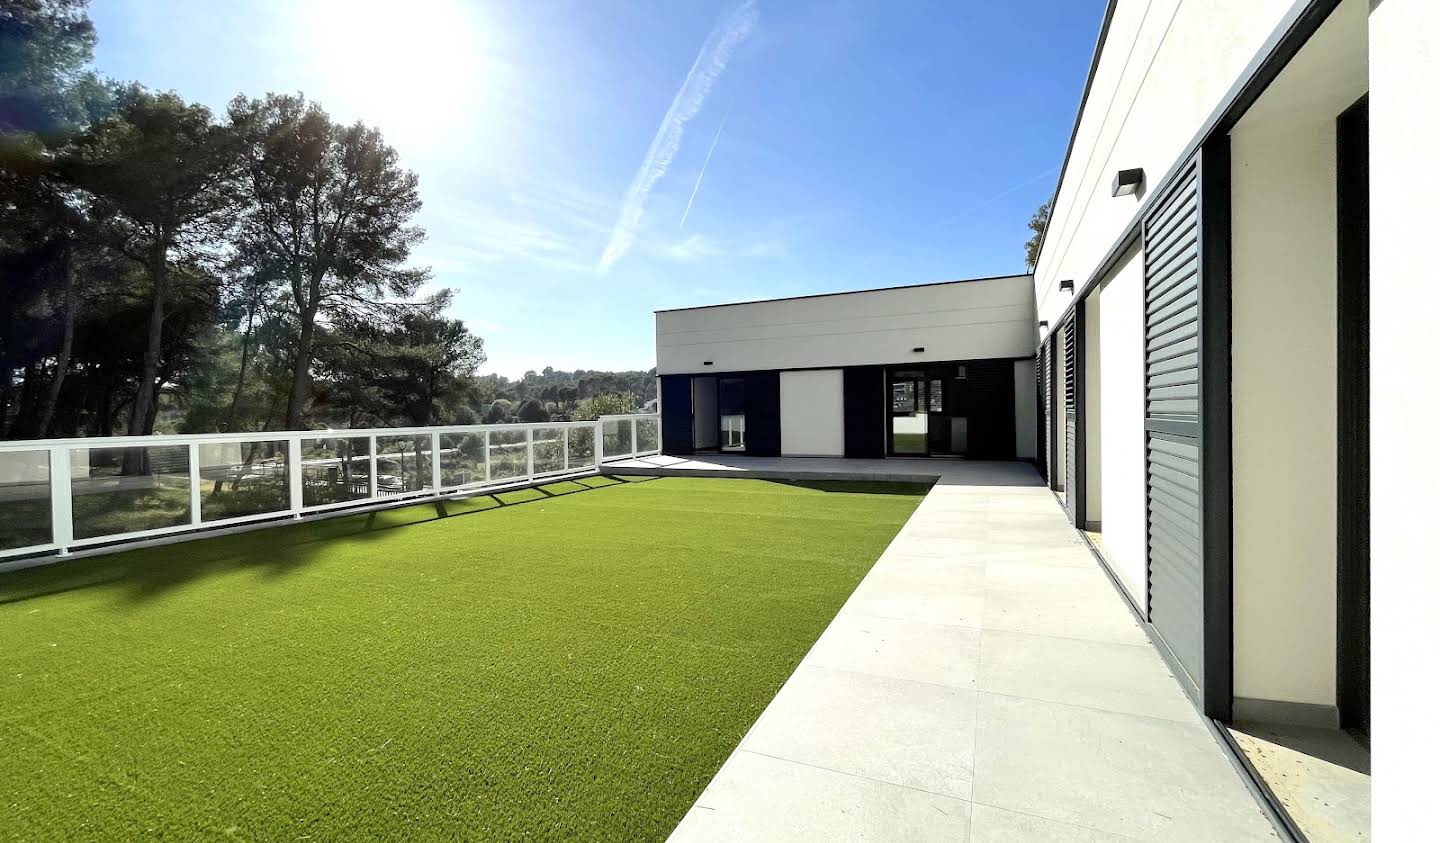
(149, 572)
(859, 487)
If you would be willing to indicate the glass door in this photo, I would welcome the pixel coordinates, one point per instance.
(731, 395)
(909, 414)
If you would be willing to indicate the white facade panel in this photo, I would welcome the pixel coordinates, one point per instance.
(1166, 66)
(1118, 323)
(1404, 65)
(964, 320)
(812, 413)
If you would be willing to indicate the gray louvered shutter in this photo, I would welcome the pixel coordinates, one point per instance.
(1047, 407)
(1172, 423)
(1072, 485)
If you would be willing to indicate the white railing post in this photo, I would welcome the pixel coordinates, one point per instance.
(292, 473)
(62, 530)
(634, 436)
(435, 461)
(530, 453)
(194, 482)
(565, 449)
(374, 470)
(487, 456)
(599, 449)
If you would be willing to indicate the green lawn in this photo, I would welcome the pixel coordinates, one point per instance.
(573, 662)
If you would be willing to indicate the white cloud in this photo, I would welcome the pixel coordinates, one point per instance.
(711, 62)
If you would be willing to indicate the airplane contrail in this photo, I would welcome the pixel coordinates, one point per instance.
(701, 177)
(714, 56)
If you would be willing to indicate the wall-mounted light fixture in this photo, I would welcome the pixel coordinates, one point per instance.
(1128, 182)
(1067, 284)
(709, 363)
(917, 349)
(1044, 326)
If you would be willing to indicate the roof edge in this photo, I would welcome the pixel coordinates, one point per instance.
(850, 292)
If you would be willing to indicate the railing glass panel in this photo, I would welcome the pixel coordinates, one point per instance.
(508, 458)
(462, 459)
(334, 470)
(549, 443)
(24, 499)
(616, 438)
(129, 490)
(243, 478)
(402, 464)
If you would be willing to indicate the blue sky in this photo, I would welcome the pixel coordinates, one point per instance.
(850, 144)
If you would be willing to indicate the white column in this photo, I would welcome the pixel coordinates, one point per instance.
(292, 469)
(1404, 56)
(61, 527)
(194, 482)
(530, 453)
(374, 467)
(435, 461)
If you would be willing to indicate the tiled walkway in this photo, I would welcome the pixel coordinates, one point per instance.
(985, 682)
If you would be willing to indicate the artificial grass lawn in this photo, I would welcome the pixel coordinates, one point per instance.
(577, 665)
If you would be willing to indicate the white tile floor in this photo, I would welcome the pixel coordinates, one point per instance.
(984, 682)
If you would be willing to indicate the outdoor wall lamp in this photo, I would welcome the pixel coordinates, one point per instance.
(1067, 284)
(1128, 182)
(1044, 326)
(917, 349)
(708, 363)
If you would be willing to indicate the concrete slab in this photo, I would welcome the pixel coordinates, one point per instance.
(897, 731)
(755, 797)
(1076, 731)
(1142, 777)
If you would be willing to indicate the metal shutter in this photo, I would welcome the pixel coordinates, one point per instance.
(1172, 424)
(1047, 409)
(1072, 459)
(1039, 413)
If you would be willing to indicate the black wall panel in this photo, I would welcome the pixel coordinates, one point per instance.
(676, 432)
(865, 412)
(762, 414)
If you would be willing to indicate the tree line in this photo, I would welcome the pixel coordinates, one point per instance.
(167, 267)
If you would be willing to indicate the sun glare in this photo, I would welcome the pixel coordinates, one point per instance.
(413, 69)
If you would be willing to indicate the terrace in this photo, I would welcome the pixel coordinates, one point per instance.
(560, 640)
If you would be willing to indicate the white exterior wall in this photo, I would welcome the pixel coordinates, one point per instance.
(966, 320)
(1166, 67)
(1117, 321)
(1025, 436)
(1404, 64)
(1283, 378)
(812, 413)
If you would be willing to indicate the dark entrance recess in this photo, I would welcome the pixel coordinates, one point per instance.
(952, 409)
(1353, 423)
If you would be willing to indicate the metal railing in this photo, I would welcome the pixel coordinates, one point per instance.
(61, 495)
